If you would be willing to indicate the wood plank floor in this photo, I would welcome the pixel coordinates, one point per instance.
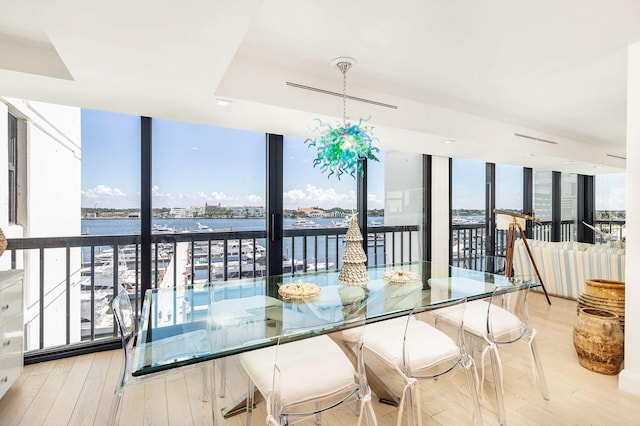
(79, 391)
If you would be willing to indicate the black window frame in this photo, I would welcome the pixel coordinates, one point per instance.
(12, 166)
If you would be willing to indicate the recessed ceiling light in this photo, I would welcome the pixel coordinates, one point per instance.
(449, 141)
(597, 167)
(568, 162)
(223, 102)
(531, 155)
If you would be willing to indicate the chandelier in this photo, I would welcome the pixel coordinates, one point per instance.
(341, 148)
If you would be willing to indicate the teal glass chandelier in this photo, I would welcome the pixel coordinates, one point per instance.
(341, 148)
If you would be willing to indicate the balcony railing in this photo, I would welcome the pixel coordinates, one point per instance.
(468, 241)
(71, 280)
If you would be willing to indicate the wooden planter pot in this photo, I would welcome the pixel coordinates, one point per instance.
(608, 295)
(599, 341)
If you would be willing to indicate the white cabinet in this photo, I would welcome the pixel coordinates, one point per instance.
(11, 328)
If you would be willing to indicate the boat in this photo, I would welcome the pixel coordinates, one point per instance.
(461, 221)
(162, 229)
(250, 269)
(102, 324)
(344, 223)
(304, 223)
(320, 266)
(375, 239)
(234, 248)
(203, 228)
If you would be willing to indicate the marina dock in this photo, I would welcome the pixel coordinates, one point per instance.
(180, 260)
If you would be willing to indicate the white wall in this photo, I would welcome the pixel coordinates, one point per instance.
(48, 205)
(630, 377)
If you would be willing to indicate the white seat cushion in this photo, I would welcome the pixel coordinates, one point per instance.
(503, 322)
(426, 345)
(311, 368)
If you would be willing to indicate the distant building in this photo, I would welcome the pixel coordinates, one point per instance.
(247, 211)
(180, 213)
(198, 211)
(311, 212)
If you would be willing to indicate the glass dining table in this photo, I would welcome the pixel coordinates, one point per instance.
(248, 314)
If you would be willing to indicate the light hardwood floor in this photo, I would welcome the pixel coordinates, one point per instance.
(79, 390)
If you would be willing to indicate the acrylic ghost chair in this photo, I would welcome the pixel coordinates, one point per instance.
(301, 378)
(182, 345)
(416, 350)
(234, 321)
(501, 320)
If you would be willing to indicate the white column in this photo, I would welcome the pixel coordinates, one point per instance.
(629, 379)
(440, 217)
(403, 198)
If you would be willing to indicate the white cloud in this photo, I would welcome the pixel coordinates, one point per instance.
(254, 200)
(105, 196)
(373, 202)
(322, 197)
(219, 197)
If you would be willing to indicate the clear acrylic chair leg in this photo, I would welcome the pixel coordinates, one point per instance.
(473, 391)
(114, 412)
(222, 377)
(497, 384)
(206, 382)
(539, 372)
(211, 372)
(250, 393)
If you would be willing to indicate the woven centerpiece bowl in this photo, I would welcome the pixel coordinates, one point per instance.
(298, 290)
(400, 277)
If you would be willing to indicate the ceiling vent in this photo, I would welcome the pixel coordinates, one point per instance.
(535, 138)
(617, 156)
(328, 92)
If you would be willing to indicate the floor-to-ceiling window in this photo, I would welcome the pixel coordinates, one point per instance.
(110, 173)
(509, 197)
(376, 195)
(542, 203)
(569, 205)
(468, 201)
(208, 179)
(610, 206)
(110, 205)
(311, 200)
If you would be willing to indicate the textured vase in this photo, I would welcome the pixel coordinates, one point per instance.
(3, 242)
(603, 294)
(607, 289)
(599, 341)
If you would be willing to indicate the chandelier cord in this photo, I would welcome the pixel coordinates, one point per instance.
(344, 96)
(344, 67)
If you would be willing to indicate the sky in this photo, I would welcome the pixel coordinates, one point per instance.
(194, 164)
(469, 181)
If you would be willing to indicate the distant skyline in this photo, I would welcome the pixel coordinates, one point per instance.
(194, 164)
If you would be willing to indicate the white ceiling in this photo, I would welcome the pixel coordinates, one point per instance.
(474, 72)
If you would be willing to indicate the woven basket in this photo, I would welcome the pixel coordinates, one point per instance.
(3, 242)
